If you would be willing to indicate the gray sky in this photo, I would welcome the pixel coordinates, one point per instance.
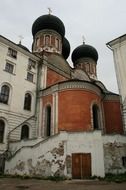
(99, 21)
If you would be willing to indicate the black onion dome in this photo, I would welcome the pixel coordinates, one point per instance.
(48, 22)
(65, 48)
(84, 51)
(23, 47)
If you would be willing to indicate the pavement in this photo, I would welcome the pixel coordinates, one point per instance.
(35, 184)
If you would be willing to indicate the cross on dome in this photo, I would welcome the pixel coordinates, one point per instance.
(83, 39)
(20, 38)
(50, 11)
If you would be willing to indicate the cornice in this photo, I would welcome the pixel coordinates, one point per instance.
(71, 85)
(112, 97)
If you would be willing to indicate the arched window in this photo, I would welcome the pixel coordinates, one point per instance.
(96, 118)
(4, 94)
(27, 101)
(24, 132)
(57, 43)
(37, 41)
(48, 120)
(2, 128)
(47, 40)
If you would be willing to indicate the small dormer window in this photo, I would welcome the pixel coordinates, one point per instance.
(12, 53)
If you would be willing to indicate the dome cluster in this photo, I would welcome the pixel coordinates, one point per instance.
(54, 23)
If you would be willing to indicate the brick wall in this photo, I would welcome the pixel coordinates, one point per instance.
(113, 118)
(75, 109)
(53, 77)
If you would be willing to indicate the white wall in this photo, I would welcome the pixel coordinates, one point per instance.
(118, 47)
(13, 112)
(49, 156)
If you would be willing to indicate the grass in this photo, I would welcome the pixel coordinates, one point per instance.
(118, 178)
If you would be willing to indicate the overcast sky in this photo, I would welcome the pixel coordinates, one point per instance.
(99, 21)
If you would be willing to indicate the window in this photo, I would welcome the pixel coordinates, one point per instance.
(2, 126)
(95, 111)
(24, 132)
(57, 44)
(27, 101)
(30, 76)
(124, 161)
(37, 41)
(4, 95)
(9, 67)
(12, 53)
(47, 40)
(31, 64)
(48, 121)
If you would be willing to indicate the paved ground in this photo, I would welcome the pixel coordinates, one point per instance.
(32, 184)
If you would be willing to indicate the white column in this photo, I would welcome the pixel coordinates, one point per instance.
(55, 113)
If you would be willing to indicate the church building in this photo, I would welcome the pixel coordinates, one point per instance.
(57, 120)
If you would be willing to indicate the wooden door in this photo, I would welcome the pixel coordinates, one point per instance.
(86, 165)
(81, 165)
(76, 166)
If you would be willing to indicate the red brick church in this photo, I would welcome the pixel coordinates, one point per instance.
(79, 121)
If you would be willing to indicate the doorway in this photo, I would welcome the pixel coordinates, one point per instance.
(81, 165)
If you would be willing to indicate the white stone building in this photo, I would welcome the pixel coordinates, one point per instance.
(118, 47)
(18, 79)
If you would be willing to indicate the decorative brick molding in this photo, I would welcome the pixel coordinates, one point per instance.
(70, 85)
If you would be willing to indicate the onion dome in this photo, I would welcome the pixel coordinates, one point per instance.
(65, 48)
(48, 22)
(83, 51)
(23, 47)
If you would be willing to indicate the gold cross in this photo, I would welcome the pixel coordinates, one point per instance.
(50, 11)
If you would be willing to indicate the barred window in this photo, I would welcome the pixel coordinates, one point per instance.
(4, 94)
(9, 67)
(30, 76)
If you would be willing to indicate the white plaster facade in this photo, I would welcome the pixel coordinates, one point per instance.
(53, 155)
(13, 113)
(49, 157)
(118, 46)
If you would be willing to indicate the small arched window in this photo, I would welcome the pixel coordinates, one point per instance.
(4, 94)
(47, 40)
(24, 132)
(48, 120)
(37, 42)
(96, 118)
(57, 43)
(2, 128)
(27, 101)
